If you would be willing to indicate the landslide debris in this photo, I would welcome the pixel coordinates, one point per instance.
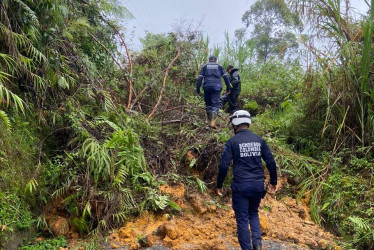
(207, 223)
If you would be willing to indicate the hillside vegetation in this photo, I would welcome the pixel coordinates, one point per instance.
(90, 129)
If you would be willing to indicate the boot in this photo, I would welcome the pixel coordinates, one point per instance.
(209, 115)
(213, 120)
(258, 246)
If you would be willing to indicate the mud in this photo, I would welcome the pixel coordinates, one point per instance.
(207, 222)
(269, 244)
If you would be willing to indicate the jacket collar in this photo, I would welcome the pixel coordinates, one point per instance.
(243, 131)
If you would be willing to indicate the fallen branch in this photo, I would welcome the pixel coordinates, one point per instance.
(140, 93)
(172, 121)
(163, 84)
(129, 80)
(145, 88)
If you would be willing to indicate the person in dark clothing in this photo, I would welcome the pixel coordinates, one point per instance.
(246, 150)
(235, 88)
(211, 73)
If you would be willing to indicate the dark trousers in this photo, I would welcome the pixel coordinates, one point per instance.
(212, 100)
(232, 99)
(245, 202)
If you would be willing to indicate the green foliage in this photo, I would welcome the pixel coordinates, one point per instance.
(272, 20)
(111, 169)
(14, 214)
(272, 83)
(155, 201)
(197, 183)
(4, 117)
(363, 232)
(17, 155)
(63, 86)
(47, 244)
(224, 135)
(252, 106)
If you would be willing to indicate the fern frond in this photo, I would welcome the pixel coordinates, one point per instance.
(102, 119)
(8, 60)
(359, 224)
(98, 157)
(122, 174)
(9, 96)
(28, 12)
(31, 186)
(108, 101)
(59, 192)
(6, 120)
(119, 217)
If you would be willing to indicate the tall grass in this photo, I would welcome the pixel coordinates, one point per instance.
(344, 65)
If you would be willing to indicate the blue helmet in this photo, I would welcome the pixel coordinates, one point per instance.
(212, 59)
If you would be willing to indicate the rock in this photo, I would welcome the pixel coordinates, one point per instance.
(197, 204)
(150, 240)
(58, 225)
(171, 230)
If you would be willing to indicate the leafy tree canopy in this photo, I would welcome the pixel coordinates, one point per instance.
(272, 20)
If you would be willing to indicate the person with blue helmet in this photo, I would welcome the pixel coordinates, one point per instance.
(246, 150)
(211, 73)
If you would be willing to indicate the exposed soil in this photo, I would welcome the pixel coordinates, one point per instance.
(207, 222)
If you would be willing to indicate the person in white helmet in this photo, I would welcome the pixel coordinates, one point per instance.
(246, 150)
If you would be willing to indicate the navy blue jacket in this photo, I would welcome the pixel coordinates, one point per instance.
(246, 150)
(212, 73)
(235, 81)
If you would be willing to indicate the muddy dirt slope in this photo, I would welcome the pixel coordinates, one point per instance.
(207, 222)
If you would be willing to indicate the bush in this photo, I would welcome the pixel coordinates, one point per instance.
(54, 244)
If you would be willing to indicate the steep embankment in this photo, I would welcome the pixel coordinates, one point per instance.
(206, 221)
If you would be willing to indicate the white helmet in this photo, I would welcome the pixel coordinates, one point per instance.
(239, 117)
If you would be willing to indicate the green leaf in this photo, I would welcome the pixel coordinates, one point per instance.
(193, 163)
(6, 120)
(174, 206)
(325, 206)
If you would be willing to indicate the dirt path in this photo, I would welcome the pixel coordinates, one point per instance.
(208, 223)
